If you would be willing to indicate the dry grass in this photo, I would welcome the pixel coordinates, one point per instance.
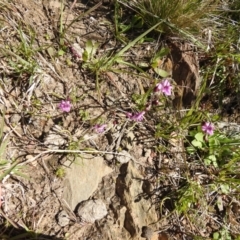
(188, 15)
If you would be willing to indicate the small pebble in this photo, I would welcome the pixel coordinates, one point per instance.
(63, 218)
(92, 210)
(15, 118)
(123, 157)
(109, 156)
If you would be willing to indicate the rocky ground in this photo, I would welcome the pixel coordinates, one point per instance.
(64, 180)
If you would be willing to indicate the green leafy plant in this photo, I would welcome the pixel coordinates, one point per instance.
(189, 195)
(223, 234)
(106, 62)
(21, 55)
(216, 149)
(155, 62)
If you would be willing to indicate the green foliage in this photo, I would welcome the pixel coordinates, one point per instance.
(141, 99)
(185, 18)
(6, 166)
(90, 51)
(233, 10)
(223, 54)
(188, 196)
(84, 115)
(60, 172)
(21, 56)
(158, 56)
(121, 28)
(106, 62)
(216, 149)
(223, 234)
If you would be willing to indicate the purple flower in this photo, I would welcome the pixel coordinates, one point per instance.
(138, 117)
(100, 128)
(208, 128)
(65, 105)
(164, 87)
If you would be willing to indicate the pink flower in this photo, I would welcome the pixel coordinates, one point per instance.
(158, 87)
(65, 105)
(164, 87)
(100, 128)
(208, 128)
(138, 117)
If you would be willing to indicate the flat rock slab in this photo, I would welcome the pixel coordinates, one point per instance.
(82, 179)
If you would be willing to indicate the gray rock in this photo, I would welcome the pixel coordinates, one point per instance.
(54, 140)
(123, 157)
(109, 156)
(82, 178)
(131, 208)
(140, 210)
(15, 118)
(147, 232)
(63, 218)
(92, 210)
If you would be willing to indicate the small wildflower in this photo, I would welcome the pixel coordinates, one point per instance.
(65, 105)
(158, 87)
(164, 87)
(100, 128)
(138, 117)
(208, 128)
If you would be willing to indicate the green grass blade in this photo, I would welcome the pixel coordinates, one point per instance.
(131, 44)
